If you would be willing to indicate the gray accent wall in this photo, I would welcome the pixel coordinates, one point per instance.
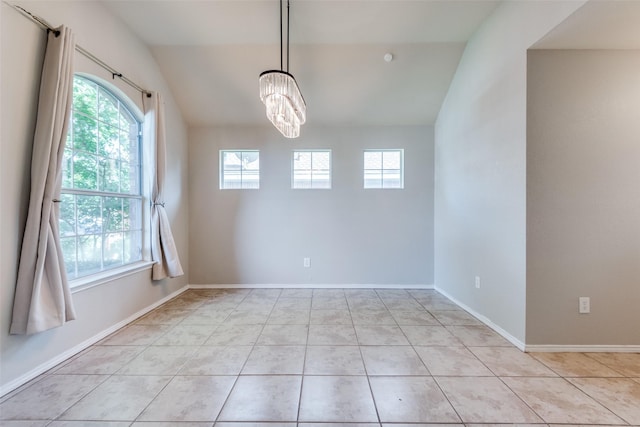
(480, 166)
(583, 196)
(352, 236)
(101, 307)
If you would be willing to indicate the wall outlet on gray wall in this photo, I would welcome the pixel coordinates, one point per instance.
(585, 305)
(477, 282)
(306, 262)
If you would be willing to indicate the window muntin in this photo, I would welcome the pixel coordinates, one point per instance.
(311, 169)
(101, 199)
(239, 169)
(384, 169)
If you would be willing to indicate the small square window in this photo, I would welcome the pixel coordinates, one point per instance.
(239, 169)
(311, 169)
(383, 168)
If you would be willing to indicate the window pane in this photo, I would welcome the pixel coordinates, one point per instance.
(108, 109)
(383, 169)
(89, 254)
(102, 157)
(89, 214)
(113, 249)
(67, 215)
(85, 133)
(311, 169)
(68, 245)
(85, 171)
(240, 169)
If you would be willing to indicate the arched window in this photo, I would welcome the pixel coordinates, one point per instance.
(101, 210)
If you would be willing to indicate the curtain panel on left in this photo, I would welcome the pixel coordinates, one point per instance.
(42, 299)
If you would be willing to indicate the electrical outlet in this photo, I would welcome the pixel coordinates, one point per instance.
(306, 262)
(477, 282)
(585, 305)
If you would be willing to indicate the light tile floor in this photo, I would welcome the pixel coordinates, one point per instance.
(322, 358)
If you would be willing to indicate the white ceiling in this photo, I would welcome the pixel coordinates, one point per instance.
(211, 53)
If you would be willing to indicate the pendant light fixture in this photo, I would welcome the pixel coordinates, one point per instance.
(281, 95)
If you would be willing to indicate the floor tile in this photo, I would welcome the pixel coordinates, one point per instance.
(336, 399)
(575, 365)
(485, 400)
(120, 398)
(380, 335)
(334, 360)
(329, 303)
(293, 303)
(224, 424)
(23, 423)
(49, 398)
(169, 424)
(101, 360)
(158, 361)
(438, 304)
(161, 316)
(289, 316)
(244, 316)
(374, 316)
(216, 360)
(366, 304)
(192, 398)
(330, 317)
(401, 304)
(283, 335)
(136, 335)
(338, 425)
(435, 425)
(620, 395)
(263, 398)
(328, 293)
(186, 335)
(89, 424)
(478, 336)
(235, 335)
(296, 293)
(455, 317)
(275, 360)
(430, 335)
(332, 335)
(511, 362)
(452, 361)
(627, 364)
(411, 399)
(392, 360)
(414, 317)
(207, 316)
(557, 401)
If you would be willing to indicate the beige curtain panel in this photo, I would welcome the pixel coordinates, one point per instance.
(43, 300)
(163, 248)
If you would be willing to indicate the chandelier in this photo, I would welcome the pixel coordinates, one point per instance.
(281, 95)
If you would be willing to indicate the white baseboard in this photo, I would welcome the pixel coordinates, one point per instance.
(582, 348)
(44, 367)
(506, 335)
(308, 286)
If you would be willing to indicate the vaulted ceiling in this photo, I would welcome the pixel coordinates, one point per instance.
(212, 51)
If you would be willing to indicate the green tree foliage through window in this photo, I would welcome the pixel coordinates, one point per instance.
(101, 208)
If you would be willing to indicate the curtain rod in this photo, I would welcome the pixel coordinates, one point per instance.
(45, 25)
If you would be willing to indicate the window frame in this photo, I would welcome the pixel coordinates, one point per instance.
(382, 168)
(222, 170)
(311, 170)
(107, 272)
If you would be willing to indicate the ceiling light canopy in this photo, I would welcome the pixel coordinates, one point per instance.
(281, 95)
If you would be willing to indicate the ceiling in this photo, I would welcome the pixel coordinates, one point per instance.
(211, 53)
(599, 24)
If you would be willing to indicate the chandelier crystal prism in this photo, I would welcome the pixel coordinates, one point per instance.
(281, 95)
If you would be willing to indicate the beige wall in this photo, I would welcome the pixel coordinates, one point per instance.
(583, 197)
(352, 235)
(480, 166)
(101, 307)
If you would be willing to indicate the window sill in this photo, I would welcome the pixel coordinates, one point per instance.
(87, 282)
